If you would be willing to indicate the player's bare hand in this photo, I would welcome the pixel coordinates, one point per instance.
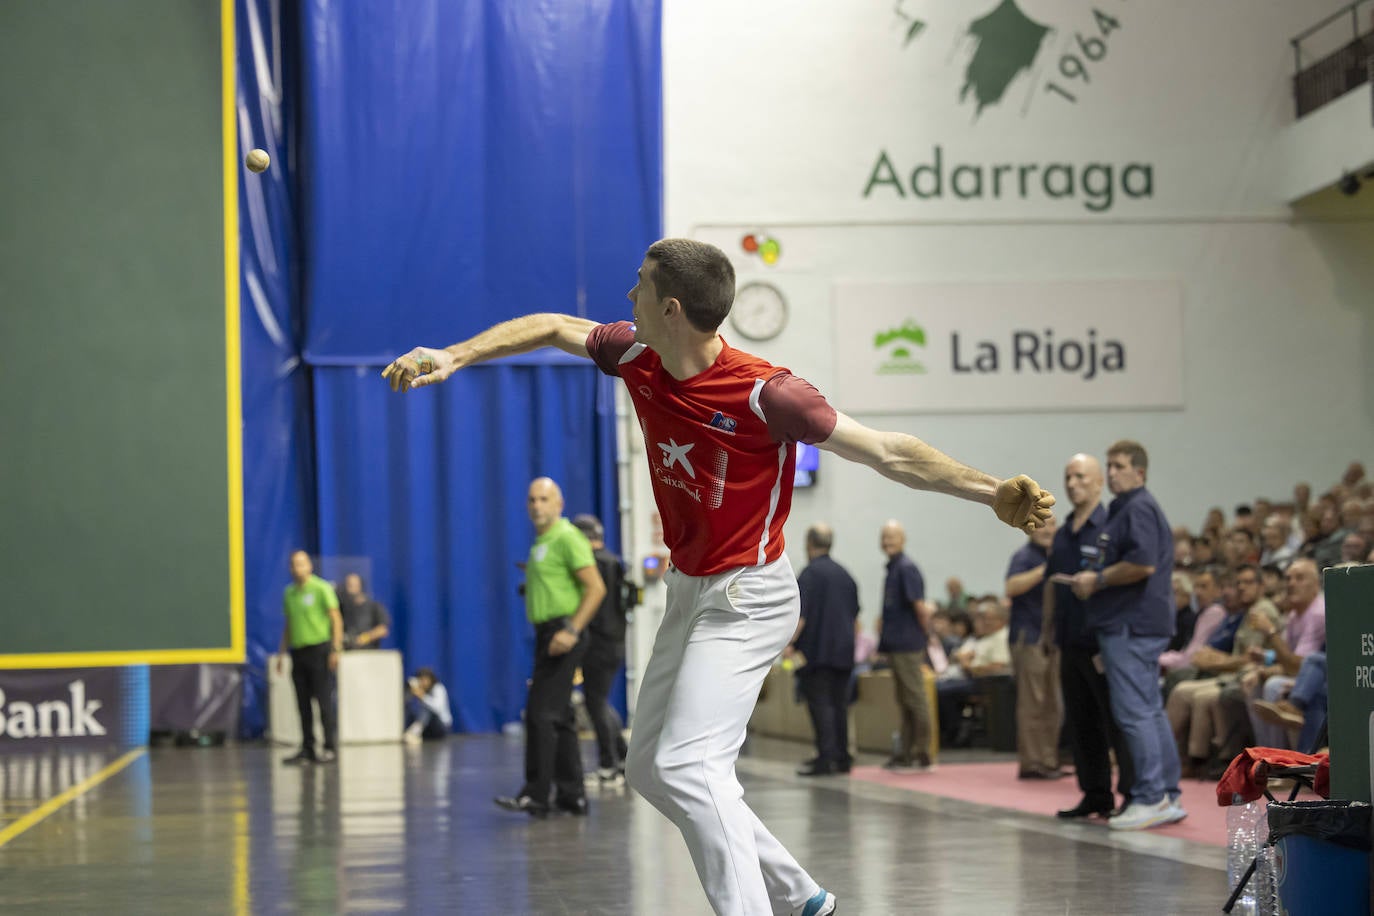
(420, 367)
(563, 642)
(1021, 503)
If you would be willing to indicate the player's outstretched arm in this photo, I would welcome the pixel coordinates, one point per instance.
(1018, 501)
(425, 366)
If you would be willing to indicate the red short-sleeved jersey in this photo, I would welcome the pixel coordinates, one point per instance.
(721, 447)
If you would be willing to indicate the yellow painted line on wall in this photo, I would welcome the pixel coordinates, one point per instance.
(233, 395)
(56, 802)
(114, 659)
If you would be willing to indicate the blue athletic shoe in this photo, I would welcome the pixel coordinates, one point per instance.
(823, 904)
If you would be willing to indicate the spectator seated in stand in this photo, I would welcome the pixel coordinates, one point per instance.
(988, 654)
(1185, 616)
(1177, 665)
(1304, 709)
(953, 629)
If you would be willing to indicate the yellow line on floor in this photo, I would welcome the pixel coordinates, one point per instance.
(48, 807)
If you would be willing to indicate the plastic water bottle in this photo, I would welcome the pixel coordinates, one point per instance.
(1264, 884)
(1243, 841)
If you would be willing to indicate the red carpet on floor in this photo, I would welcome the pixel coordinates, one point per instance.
(996, 784)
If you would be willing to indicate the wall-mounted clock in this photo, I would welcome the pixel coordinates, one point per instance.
(759, 312)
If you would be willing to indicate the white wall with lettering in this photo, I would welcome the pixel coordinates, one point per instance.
(1115, 144)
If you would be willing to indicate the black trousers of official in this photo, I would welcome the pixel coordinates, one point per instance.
(827, 697)
(1092, 731)
(552, 759)
(314, 681)
(602, 663)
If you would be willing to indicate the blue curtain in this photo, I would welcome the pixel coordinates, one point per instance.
(474, 161)
(431, 486)
(278, 472)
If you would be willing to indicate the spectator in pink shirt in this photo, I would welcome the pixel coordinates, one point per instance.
(1207, 594)
(1281, 655)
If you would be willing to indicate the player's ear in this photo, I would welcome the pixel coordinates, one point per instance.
(671, 306)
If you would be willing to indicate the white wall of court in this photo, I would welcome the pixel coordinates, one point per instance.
(777, 114)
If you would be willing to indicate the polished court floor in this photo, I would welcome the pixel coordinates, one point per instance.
(391, 829)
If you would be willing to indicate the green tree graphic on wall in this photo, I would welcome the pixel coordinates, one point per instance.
(1008, 42)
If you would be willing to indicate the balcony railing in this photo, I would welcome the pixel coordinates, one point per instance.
(1333, 57)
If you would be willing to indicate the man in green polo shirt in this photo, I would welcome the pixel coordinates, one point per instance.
(314, 634)
(563, 591)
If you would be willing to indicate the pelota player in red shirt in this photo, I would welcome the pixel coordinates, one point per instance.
(720, 428)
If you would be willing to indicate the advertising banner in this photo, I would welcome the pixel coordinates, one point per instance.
(73, 707)
(1094, 345)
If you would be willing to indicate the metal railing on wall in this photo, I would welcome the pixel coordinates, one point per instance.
(1333, 56)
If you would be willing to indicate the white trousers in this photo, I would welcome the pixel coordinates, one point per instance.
(720, 634)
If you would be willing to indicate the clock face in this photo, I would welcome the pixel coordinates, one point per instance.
(759, 312)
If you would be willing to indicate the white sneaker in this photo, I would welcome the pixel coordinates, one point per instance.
(1176, 811)
(823, 904)
(413, 736)
(1140, 816)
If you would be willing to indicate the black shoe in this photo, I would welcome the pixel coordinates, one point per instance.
(1041, 774)
(577, 807)
(296, 760)
(844, 766)
(522, 803)
(1085, 808)
(818, 768)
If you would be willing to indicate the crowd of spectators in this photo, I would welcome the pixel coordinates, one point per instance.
(1246, 665)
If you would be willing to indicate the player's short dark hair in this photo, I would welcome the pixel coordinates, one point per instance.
(429, 673)
(697, 274)
(590, 526)
(1140, 460)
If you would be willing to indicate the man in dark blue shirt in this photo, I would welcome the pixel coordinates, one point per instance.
(1087, 709)
(1037, 673)
(1132, 613)
(825, 641)
(903, 640)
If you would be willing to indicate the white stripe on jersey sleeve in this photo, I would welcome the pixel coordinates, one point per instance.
(635, 349)
(754, 404)
(773, 498)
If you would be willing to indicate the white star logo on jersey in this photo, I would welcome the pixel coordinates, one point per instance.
(677, 454)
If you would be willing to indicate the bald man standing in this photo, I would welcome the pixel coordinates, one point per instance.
(563, 591)
(1087, 704)
(903, 640)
